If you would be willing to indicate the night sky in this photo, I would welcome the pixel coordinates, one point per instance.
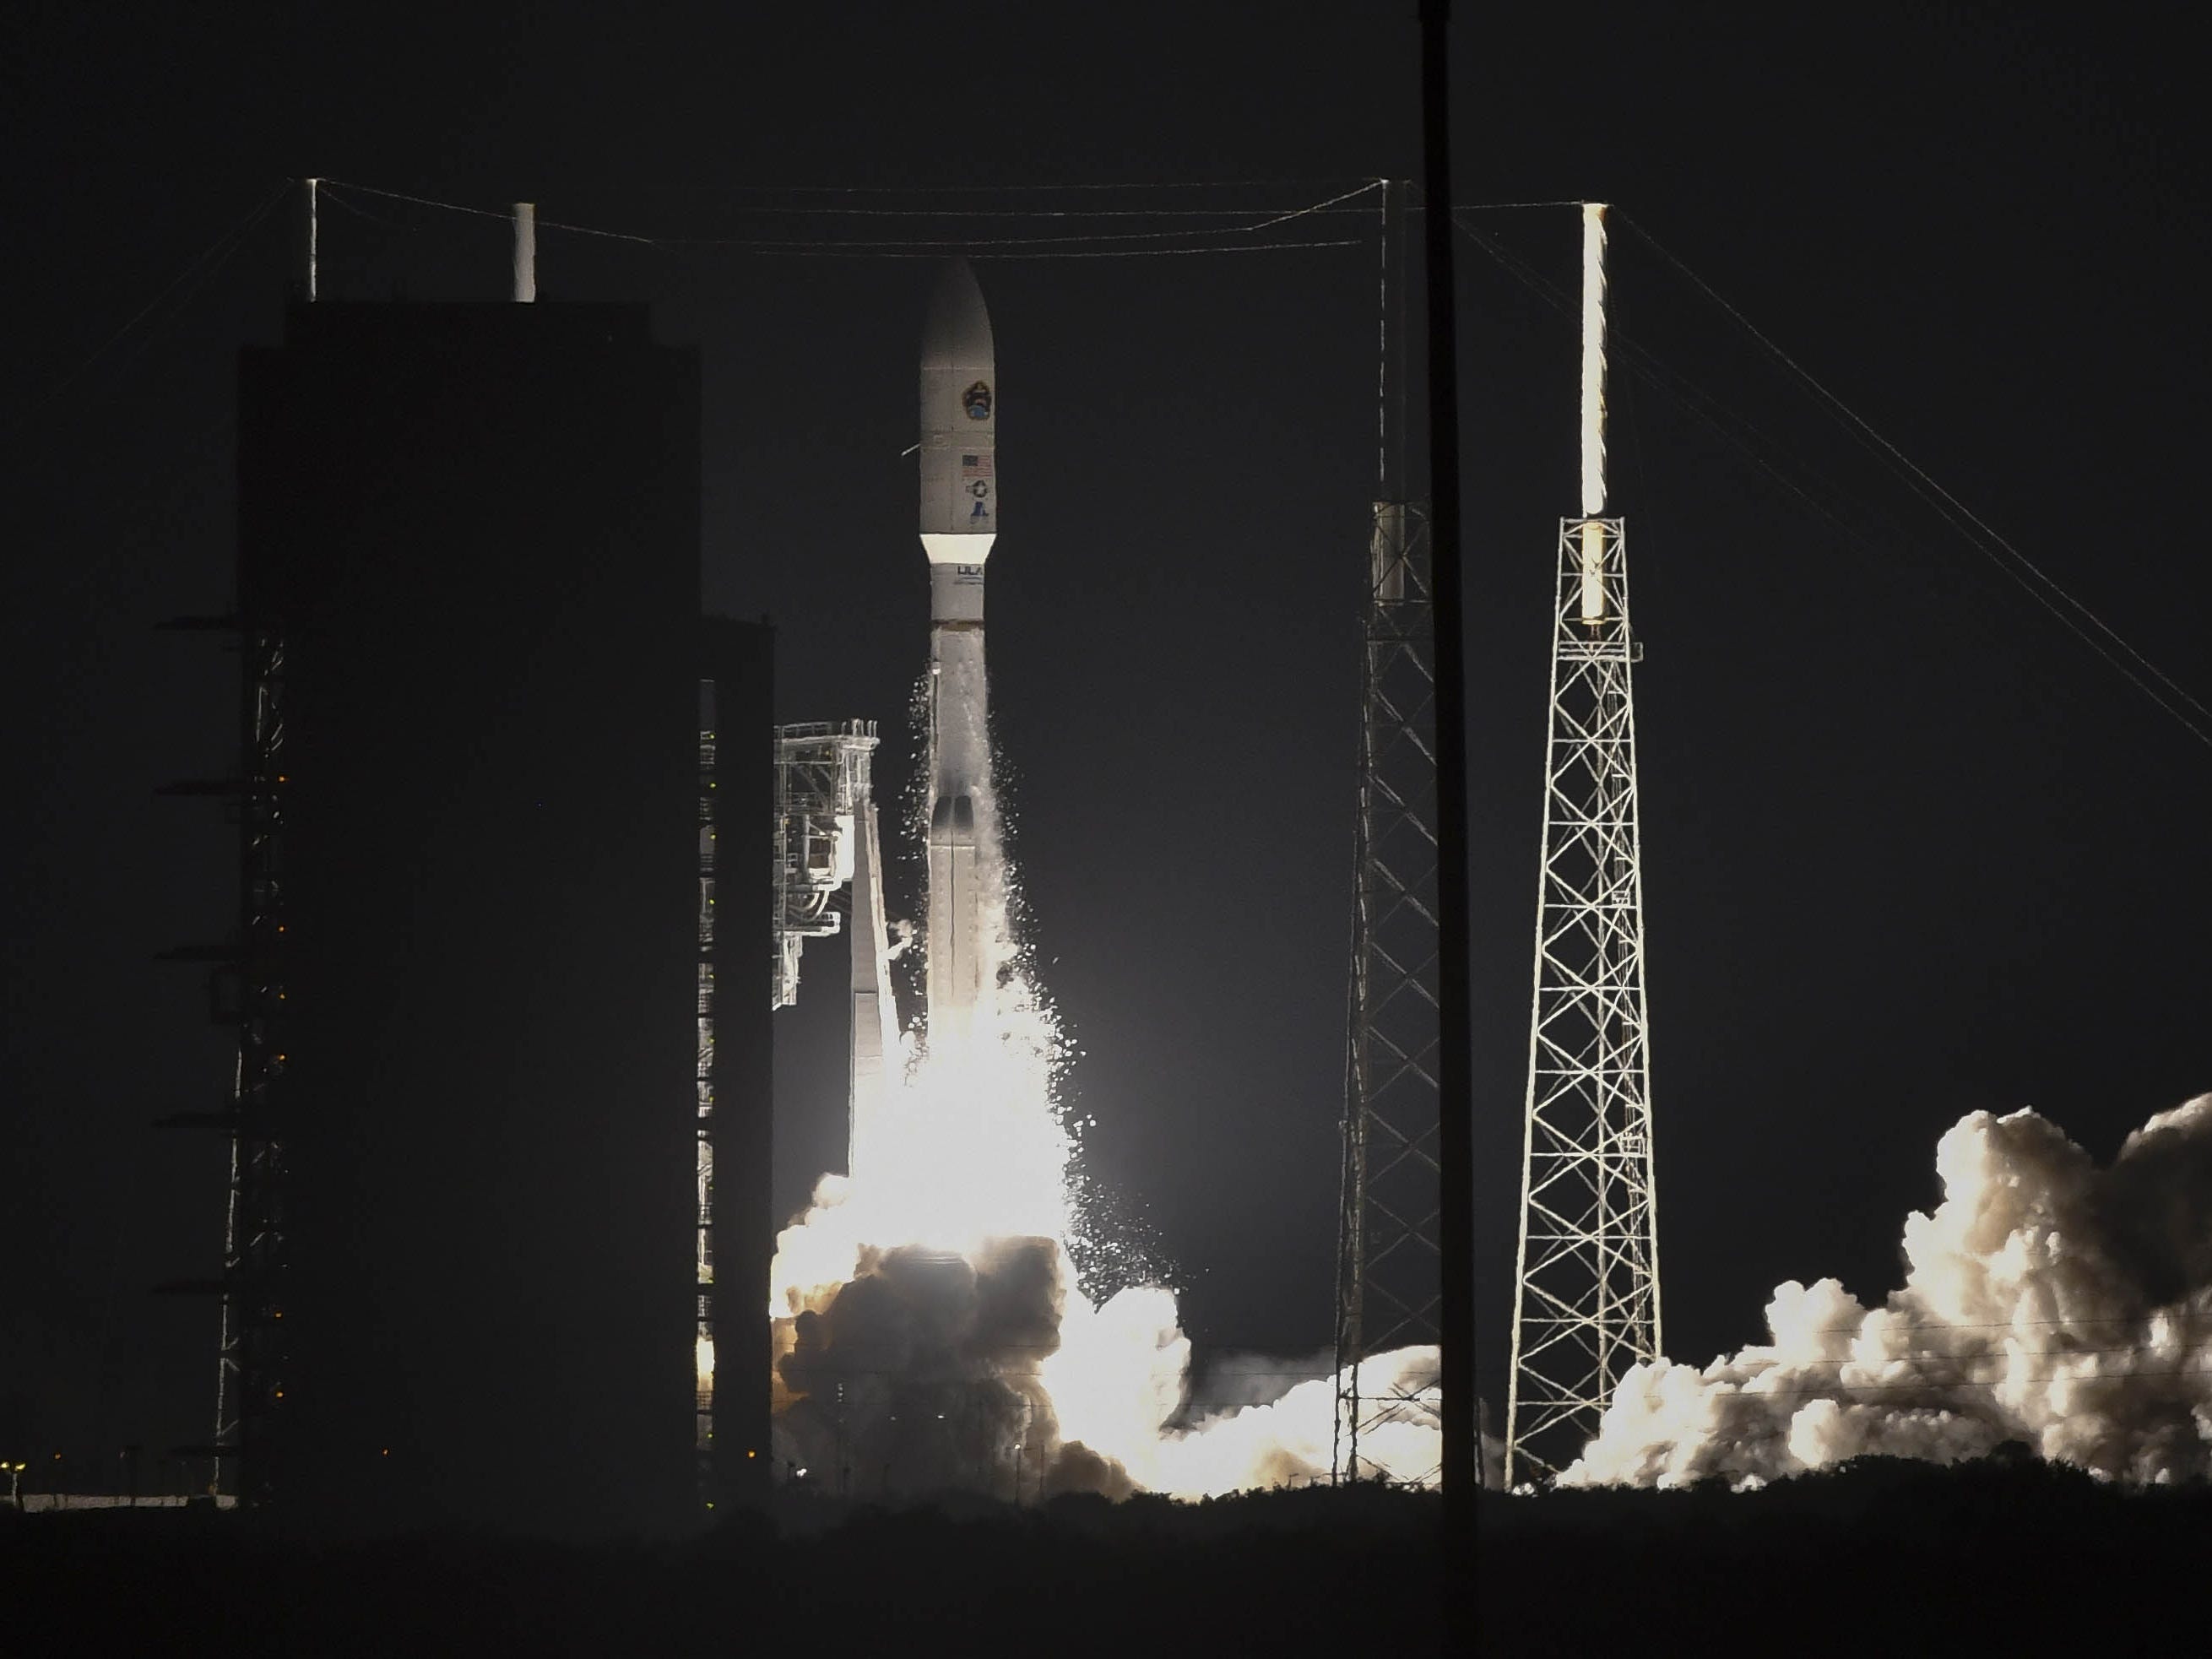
(1911, 847)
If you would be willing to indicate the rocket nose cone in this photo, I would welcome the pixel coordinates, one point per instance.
(958, 329)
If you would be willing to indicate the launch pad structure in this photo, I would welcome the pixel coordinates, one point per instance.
(247, 993)
(822, 786)
(829, 839)
(1389, 1258)
(1586, 1293)
(1586, 1278)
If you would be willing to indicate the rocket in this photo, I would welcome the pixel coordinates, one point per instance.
(959, 521)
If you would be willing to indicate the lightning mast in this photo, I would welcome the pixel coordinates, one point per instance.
(1388, 1291)
(1586, 1304)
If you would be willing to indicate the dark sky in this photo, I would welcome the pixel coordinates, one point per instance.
(1911, 848)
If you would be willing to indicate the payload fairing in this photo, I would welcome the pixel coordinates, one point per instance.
(959, 521)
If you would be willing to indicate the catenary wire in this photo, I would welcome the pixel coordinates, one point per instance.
(785, 210)
(943, 251)
(195, 273)
(1268, 221)
(1971, 527)
(1002, 190)
(1733, 428)
(916, 248)
(1703, 408)
(1694, 402)
(1261, 219)
(1738, 431)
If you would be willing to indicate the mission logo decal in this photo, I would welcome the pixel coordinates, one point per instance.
(976, 400)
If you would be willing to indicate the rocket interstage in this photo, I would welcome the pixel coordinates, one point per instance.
(959, 522)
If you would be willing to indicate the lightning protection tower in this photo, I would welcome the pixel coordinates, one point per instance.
(1586, 1304)
(1388, 1291)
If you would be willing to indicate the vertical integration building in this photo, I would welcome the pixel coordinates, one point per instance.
(503, 1010)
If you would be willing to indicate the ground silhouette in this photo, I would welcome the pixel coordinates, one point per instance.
(1875, 1557)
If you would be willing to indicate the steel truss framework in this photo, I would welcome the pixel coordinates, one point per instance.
(1388, 1265)
(1586, 1305)
(702, 1440)
(822, 782)
(247, 993)
(254, 1255)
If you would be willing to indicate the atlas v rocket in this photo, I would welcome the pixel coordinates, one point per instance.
(959, 521)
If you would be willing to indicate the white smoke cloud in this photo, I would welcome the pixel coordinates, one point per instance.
(2045, 1302)
(987, 1369)
(930, 1331)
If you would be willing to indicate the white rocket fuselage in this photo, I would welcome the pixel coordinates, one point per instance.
(959, 521)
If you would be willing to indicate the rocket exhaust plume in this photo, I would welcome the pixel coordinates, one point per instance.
(2047, 1302)
(931, 1331)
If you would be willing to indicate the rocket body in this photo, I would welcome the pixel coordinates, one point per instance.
(959, 442)
(959, 521)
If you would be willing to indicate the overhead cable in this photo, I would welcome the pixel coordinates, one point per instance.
(203, 265)
(1734, 429)
(1971, 527)
(930, 246)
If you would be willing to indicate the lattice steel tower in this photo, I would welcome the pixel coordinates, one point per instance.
(1387, 1262)
(1586, 1305)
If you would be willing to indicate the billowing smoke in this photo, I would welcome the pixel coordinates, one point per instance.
(923, 1373)
(931, 1332)
(2047, 1302)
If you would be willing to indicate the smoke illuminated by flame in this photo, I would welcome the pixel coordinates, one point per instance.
(930, 1329)
(2047, 1303)
(931, 1332)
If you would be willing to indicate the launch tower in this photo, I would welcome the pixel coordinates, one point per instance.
(1388, 1291)
(828, 839)
(1586, 1304)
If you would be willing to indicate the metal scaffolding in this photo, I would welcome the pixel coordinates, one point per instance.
(1388, 1263)
(1586, 1304)
(702, 1440)
(1389, 1267)
(247, 993)
(822, 784)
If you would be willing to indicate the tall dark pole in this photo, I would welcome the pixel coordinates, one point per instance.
(1455, 1060)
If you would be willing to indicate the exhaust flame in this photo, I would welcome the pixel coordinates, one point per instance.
(2047, 1302)
(930, 1331)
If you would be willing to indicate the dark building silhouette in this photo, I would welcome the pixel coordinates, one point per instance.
(737, 706)
(460, 1285)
